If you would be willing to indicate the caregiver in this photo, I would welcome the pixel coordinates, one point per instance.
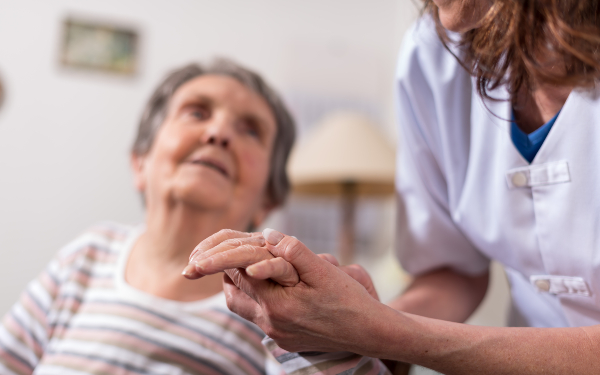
(498, 160)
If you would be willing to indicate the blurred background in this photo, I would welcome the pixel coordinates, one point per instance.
(75, 75)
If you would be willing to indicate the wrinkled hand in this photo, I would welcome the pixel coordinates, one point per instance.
(322, 311)
(229, 249)
(355, 271)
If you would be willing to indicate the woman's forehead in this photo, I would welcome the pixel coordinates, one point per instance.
(222, 90)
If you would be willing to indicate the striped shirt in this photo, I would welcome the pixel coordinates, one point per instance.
(81, 317)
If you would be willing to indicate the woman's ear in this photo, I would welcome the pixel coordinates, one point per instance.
(137, 165)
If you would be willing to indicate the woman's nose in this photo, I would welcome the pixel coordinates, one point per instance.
(218, 141)
(218, 133)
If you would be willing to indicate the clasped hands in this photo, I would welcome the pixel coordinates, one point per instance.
(297, 297)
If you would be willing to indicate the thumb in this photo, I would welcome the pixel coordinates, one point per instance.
(295, 252)
(239, 302)
(253, 288)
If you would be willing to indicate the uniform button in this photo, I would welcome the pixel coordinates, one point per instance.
(543, 285)
(519, 179)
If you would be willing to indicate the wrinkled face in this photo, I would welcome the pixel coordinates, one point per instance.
(212, 153)
(462, 15)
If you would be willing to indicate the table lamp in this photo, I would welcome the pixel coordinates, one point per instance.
(345, 155)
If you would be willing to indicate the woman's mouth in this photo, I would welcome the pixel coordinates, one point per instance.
(214, 165)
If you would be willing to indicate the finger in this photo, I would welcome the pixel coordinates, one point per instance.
(190, 272)
(330, 258)
(255, 289)
(359, 274)
(240, 257)
(276, 269)
(227, 245)
(239, 302)
(219, 237)
(308, 265)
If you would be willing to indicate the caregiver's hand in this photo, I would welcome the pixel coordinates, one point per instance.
(324, 311)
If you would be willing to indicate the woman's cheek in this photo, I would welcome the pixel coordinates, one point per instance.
(256, 166)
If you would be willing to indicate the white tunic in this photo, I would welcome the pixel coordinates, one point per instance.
(466, 195)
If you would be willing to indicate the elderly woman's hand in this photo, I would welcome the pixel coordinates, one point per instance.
(228, 250)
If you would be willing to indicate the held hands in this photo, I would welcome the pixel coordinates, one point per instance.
(229, 249)
(312, 305)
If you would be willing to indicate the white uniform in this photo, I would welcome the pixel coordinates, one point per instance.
(466, 195)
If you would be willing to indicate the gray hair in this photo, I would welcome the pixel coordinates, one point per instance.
(154, 115)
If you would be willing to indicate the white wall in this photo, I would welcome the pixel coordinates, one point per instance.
(64, 135)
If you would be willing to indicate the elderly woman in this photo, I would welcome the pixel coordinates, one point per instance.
(499, 160)
(210, 153)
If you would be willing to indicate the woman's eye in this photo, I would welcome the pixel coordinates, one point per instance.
(250, 128)
(200, 113)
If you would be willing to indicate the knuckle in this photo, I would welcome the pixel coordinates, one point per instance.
(272, 267)
(230, 302)
(247, 248)
(278, 263)
(235, 276)
(207, 243)
(293, 249)
(233, 242)
(227, 234)
(357, 267)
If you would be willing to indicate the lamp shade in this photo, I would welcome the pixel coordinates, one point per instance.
(344, 147)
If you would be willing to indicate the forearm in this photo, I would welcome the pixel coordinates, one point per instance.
(454, 348)
(443, 294)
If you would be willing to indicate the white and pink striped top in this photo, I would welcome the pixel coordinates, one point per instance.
(81, 317)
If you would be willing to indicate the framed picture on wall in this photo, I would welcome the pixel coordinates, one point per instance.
(98, 46)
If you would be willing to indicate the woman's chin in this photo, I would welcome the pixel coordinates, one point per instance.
(463, 16)
(204, 198)
(455, 24)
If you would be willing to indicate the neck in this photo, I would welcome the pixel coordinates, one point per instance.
(172, 232)
(533, 108)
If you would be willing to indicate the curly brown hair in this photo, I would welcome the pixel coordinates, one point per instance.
(521, 42)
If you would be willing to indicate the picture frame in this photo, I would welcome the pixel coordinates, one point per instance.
(98, 46)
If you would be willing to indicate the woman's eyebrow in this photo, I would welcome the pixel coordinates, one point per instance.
(196, 98)
(258, 119)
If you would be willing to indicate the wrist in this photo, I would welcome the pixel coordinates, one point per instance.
(382, 332)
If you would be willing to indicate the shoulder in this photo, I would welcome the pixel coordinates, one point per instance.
(102, 240)
(425, 61)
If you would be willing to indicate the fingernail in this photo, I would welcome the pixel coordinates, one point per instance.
(272, 236)
(189, 270)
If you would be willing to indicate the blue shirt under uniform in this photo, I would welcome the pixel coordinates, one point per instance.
(529, 144)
